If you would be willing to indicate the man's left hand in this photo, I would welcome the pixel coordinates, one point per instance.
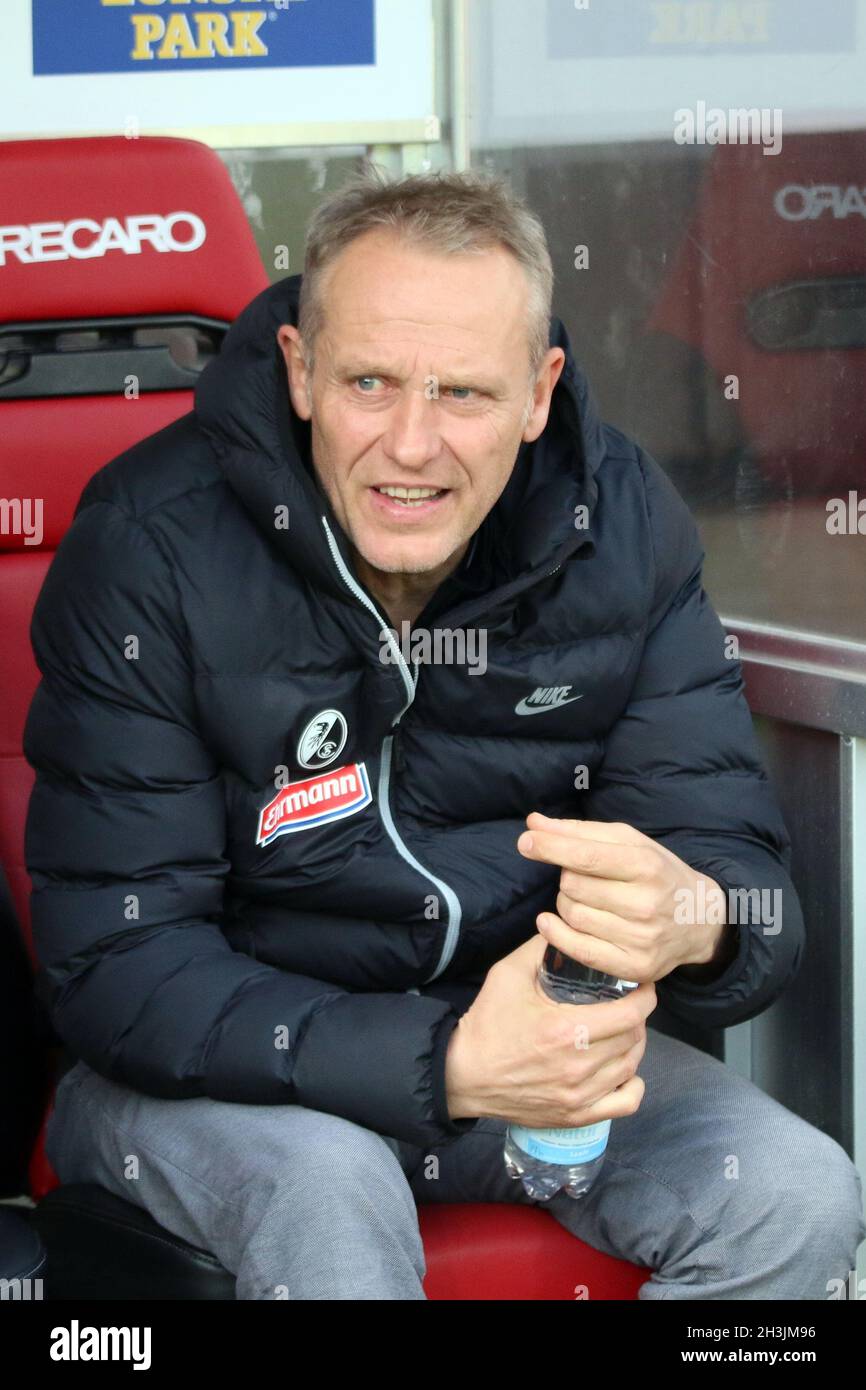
(626, 905)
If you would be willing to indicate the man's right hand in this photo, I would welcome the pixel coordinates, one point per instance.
(520, 1056)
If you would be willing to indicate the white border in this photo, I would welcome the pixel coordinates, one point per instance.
(390, 102)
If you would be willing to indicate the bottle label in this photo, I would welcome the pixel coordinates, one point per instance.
(566, 1146)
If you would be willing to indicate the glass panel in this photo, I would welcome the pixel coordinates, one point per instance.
(715, 171)
(280, 189)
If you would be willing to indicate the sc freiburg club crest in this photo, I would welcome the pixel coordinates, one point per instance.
(323, 739)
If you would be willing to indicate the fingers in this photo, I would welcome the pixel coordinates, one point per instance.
(604, 858)
(611, 1017)
(614, 1073)
(607, 1050)
(625, 1099)
(608, 1090)
(615, 832)
(614, 1090)
(583, 946)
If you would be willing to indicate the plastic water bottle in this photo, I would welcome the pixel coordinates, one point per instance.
(548, 1160)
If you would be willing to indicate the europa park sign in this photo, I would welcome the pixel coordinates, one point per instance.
(160, 35)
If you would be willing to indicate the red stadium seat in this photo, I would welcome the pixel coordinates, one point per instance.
(75, 330)
(486, 1251)
(775, 296)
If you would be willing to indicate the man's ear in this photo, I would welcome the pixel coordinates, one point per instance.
(300, 385)
(548, 375)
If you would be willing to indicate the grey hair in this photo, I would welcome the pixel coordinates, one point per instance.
(450, 213)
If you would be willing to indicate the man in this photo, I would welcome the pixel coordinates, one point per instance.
(287, 882)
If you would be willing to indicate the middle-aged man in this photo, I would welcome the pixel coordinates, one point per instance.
(297, 858)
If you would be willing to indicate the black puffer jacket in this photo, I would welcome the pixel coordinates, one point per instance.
(203, 929)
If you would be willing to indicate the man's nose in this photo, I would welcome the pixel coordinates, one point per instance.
(412, 437)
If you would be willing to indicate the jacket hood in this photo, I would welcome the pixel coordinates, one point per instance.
(243, 402)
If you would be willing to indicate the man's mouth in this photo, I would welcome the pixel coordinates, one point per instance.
(411, 496)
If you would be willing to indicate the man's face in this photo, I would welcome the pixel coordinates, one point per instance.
(420, 383)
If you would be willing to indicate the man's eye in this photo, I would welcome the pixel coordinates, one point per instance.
(361, 379)
(461, 393)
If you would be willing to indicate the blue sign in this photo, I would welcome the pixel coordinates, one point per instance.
(682, 28)
(195, 35)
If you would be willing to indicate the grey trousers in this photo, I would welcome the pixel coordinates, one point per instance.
(718, 1189)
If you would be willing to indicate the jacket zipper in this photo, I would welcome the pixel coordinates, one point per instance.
(452, 902)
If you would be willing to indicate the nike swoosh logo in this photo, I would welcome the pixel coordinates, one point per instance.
(524, 708)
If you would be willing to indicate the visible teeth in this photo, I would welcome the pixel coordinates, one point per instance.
(410, 491)
(410, 496)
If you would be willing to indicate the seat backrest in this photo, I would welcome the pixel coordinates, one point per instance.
(122, 262)
(769, 284)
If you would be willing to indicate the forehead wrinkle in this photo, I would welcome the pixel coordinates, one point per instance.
(378, 326)
(360, 354)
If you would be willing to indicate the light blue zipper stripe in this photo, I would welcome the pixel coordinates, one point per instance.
(451, 899)
(384, 628)
(455, 912)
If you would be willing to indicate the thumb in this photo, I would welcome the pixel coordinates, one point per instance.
(530, 954)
